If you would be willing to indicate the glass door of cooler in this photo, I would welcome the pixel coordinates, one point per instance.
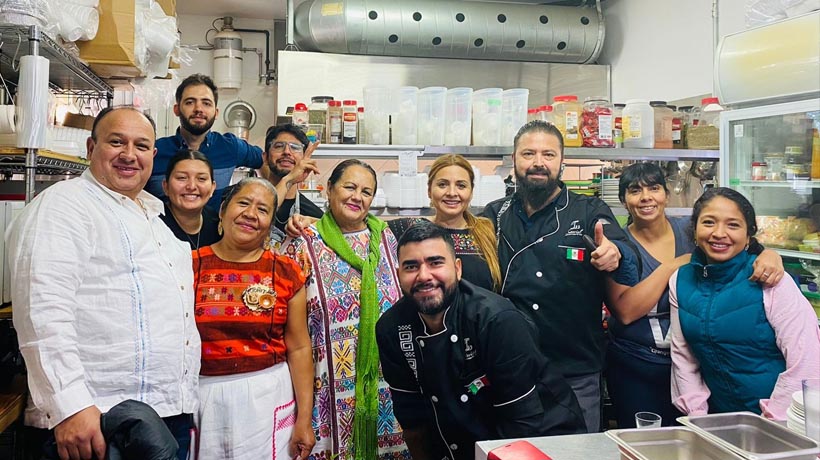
(766, 154)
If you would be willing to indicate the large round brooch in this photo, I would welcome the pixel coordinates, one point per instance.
(258, 297)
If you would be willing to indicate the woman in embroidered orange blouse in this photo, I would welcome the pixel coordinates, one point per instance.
(256, 382)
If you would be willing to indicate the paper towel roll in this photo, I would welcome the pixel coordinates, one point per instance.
(32, 102)
(7, 119)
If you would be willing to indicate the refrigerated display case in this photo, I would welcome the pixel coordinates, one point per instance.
(767, 154)
(780, 140)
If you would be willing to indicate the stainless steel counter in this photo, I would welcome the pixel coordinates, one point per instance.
(572, 447)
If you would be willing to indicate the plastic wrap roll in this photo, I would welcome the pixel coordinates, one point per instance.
(32, 102)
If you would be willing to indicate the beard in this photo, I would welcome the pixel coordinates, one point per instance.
(432, 305)
(196, 130)
(536, 193)
(277, 171)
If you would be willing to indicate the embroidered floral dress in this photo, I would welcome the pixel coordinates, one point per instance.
(333, 288)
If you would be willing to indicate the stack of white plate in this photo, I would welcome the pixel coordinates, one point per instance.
(609, 192)
(796, 414)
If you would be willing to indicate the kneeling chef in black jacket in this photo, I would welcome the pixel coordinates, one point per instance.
(461, 361)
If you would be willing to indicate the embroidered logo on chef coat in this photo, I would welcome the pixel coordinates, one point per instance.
(406, 346)
(575, 229)
(469, 350)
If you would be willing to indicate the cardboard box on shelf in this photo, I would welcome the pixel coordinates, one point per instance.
(75, 120)
(111, 53)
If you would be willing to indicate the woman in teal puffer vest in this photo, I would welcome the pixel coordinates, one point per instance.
(735, 345)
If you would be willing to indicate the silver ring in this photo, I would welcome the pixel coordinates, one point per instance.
(765, 274)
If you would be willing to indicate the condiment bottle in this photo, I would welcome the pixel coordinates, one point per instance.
(350, 125)
(300, 116)
(617, 125)
(334, 122)
(677, 127)
(362, 136)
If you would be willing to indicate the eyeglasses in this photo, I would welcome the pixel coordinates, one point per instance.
(294, 147)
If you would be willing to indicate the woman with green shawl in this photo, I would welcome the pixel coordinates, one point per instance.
(348, 258)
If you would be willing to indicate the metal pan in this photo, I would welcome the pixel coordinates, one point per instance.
(669, 443)
(752, 436)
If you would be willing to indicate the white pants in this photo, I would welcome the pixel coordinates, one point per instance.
(247, 416)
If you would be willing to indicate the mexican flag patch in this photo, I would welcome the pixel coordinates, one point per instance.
(575, 254)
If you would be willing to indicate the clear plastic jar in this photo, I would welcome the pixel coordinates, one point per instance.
(663, 124)
(317, 114)
(567, 118)
(596, 126)
(638, 124)
(545, 113)
(705, 135)
(300, 116)
(532, 114)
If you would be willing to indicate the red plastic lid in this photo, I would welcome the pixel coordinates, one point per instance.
(531, 111)
(300, 106)
(334, 103)
(565, 98)
(709, 100)
(349, 102)
(547, 108)
(758, 163)
(360, 109)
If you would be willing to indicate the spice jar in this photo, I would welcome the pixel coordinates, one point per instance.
(759, 170)
(567, 118)
(596, 123)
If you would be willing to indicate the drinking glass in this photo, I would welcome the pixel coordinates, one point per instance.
(647, 420)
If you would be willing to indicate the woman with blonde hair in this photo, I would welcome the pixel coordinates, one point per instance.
(450, 187)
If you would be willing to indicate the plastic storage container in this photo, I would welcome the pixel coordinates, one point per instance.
(513, 113)
(431, 109)
(685, 122)
(458, 116)
(404, 125)
(487, 117)
(545, 113)
(567, 118)
(532, 114)
(377, 116)
(596, 123)
(663, 124)
(638, 124)
(705, 135)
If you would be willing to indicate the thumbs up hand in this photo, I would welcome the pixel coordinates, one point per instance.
(607, 257)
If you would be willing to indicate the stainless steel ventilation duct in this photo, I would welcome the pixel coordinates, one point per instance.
(451, 29)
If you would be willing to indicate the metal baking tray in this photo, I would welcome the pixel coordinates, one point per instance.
(669, 443)
(753, 437)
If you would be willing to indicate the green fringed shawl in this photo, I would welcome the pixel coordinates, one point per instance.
(366, 415)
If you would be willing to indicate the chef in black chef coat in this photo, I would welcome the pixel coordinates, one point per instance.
(461, 361)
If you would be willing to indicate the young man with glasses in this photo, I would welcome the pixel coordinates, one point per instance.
(285, 147)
